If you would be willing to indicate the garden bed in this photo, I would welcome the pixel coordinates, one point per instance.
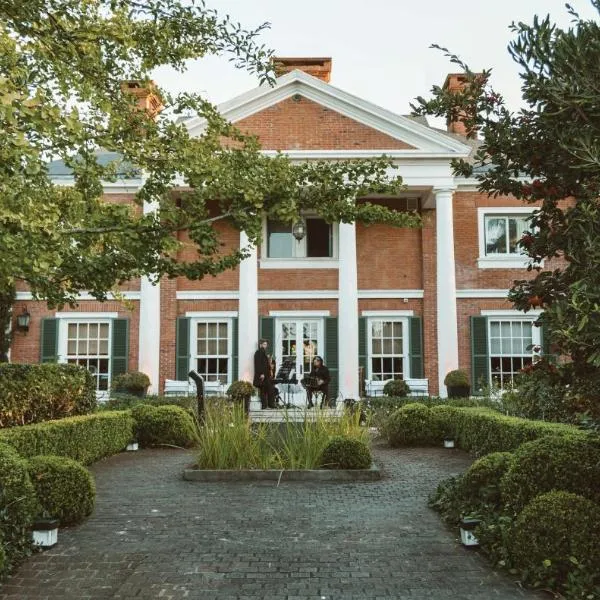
(318, 475)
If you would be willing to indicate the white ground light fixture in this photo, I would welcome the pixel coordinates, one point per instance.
(45, 533)
(467, 526)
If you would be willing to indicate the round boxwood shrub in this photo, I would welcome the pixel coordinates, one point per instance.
(344, 452)
(240, 391)
(164, 425)
(132, 382)
(556, 536)
(567, 463)
(65, 489)
(481, 481)
(412, 425)
(397, 388)
(18, 507)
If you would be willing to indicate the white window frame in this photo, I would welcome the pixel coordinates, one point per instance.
(100, 318)
(405, 341)
(300, 262)
(225, 317)
(500, 261)
(513, 315)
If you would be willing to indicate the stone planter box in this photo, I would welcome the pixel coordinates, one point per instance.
(323, 475)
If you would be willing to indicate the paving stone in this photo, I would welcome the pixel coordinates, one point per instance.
(155, 536)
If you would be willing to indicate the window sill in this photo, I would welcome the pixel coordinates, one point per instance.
(503, 262)
(299, 263)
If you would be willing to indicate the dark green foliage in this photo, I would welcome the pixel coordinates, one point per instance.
(132, 382)
(35, 393)
(563, 463)
(85, 439)
(126, 401)
(18, 507)
(396, 388)
(65, 489)
(457, 377)
(344, 452)
(240, 391)
(556, 543)
(164, 425)
(412, 425)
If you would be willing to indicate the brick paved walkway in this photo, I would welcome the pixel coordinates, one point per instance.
(154, 535)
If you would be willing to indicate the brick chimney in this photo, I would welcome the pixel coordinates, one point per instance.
(147, 96)
(317, 67)
(457, 82)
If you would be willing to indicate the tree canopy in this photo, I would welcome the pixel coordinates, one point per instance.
(547, 153)
(63, 64)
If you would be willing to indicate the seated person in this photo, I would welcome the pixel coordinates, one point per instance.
(317, 381)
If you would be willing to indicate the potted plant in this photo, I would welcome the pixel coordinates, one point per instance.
(241, 391)
(457, 384)
(133, 382)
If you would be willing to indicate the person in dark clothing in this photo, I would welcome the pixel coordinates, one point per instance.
(317, 381)
(263, 379)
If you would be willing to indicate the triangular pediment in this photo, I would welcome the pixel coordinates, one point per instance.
(383, 129)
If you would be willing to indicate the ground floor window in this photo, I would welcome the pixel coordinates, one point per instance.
(387, 349)
(212, 345)
(88, 345)
(513, 344)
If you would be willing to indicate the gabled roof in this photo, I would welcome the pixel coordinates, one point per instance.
(425, 140)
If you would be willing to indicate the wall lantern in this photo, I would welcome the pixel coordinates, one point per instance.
(299, 229)
(23, 320)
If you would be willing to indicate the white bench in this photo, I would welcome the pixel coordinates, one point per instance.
(173, 387)
(418, 387)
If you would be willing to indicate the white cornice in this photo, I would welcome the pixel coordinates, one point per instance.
(297, 82)
(131, 295)
(296, 294)
(490, 293)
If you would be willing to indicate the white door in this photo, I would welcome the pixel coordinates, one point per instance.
(297, 341)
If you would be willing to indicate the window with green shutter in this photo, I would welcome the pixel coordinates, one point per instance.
(49, 340)
(416, 347)
(331, 357)
(182, 349)
(479, 355)
(120, 347)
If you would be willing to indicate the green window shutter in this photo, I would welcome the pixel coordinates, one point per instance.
(480, 360)
(545, 341)
(266, 331)
(416, 347)
(363, 354)
(234, 349)
(120, 346)
(331, 354)
(182, 349)
(49, 341)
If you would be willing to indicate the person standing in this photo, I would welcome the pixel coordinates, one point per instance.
(262, 375)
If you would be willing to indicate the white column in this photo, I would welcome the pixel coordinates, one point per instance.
(447, 327)
(247, 312)
(348, 312)
(149, 330)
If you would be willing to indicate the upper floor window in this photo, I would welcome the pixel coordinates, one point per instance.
(503, 232)
(316, 243)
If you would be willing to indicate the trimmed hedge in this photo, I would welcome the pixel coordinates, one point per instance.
(65, 489)
(344, 452)
(84, 439)
(555, 543)
(18, 508)
(126, 401)
(412, 425)
(36, 393)
(571, 464)
(164, 425)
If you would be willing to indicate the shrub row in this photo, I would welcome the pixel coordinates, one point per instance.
(164, 425)
(477, 430)
(85, 439)
(119, 401)
(36, 393)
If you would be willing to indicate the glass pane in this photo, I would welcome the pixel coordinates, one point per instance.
(212, 347)
(222, 330)
(222, 366)
(517, 226)
(82, 347)
(495, 347)
(505, 329)
(103, 349)
(72, 331)
(93, 365)
(93, 346)
(222, 347)
(93, 330)
(72, 347)
(201, 347)
(376, 328)
(398, 330)
(103, 365)
(201, 365)
(397, 346)
(83, 330)
(211, 330)
(517, 346)
(376, 365)
(376, 346)
(398, 366)
(387, 329)
(387, 365)
(201, 330)
(387, 346)
(103, 383)
(318, 238)
(495, 235)
(104, 330)
(280, 241)
(494, 329)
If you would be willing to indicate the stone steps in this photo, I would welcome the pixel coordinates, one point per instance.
(294, 415)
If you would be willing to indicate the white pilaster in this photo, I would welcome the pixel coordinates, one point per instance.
(247, 312)
(149, 331)
(447, 327)
(348, 312)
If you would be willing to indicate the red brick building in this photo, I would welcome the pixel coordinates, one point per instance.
(398, 303)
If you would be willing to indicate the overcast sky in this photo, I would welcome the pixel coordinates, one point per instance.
(380, 48)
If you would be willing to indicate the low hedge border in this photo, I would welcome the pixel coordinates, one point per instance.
(85, 439)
